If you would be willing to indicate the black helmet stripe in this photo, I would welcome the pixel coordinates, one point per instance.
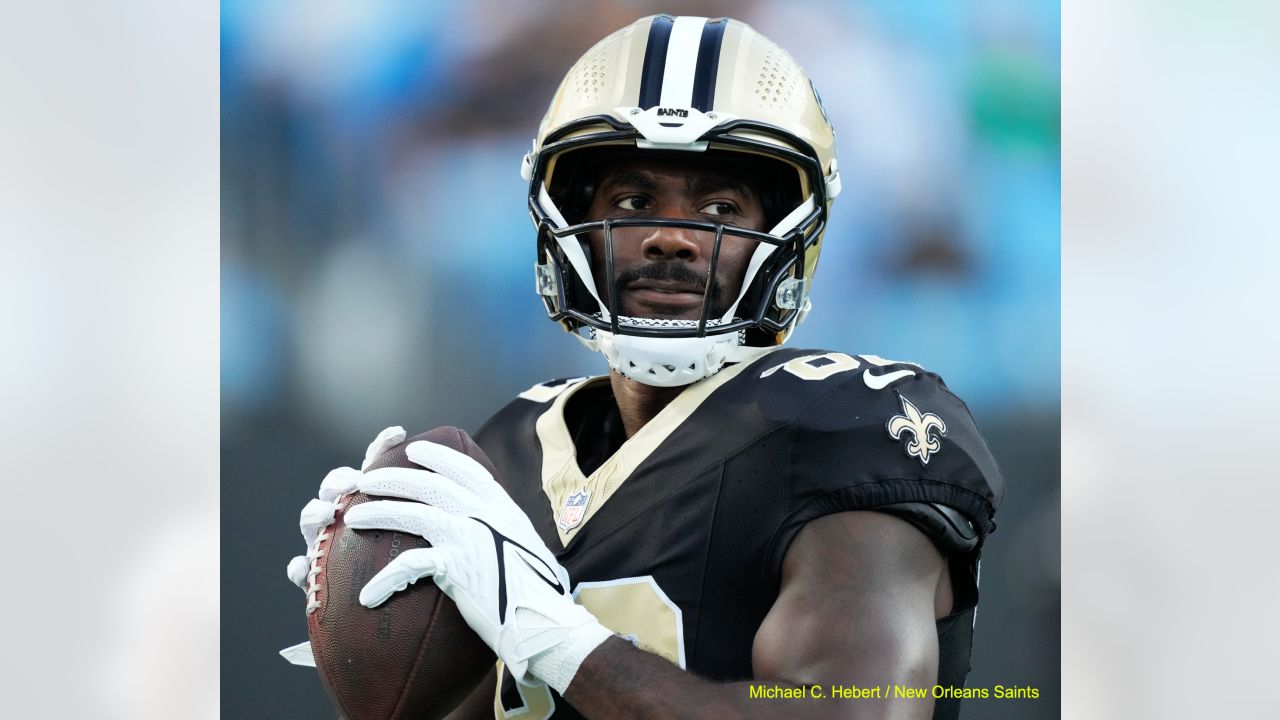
(704, 77)
(655, 59)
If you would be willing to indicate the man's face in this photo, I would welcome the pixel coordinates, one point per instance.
(662, 271)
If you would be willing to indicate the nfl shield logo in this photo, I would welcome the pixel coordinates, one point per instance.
(574, 508)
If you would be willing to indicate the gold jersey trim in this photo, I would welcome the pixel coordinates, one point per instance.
(561, 475)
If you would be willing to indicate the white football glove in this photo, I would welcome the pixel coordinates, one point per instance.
(318, 514)
(486, 556)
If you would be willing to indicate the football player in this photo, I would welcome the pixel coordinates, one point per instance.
(719, 526)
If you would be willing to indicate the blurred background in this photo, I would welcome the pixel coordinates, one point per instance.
(109, 394)
(376, 261)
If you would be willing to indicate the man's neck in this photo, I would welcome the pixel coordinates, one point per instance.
(639, 403)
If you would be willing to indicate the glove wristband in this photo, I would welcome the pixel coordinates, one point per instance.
(559, 664)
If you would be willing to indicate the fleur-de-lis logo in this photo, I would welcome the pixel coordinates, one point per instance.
(922, 444)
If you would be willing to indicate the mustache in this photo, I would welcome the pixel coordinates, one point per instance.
(672, 271)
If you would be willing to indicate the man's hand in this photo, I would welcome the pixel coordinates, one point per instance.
(485, 556)
(318, 513)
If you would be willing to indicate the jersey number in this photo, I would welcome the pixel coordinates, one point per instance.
(821, 367)
(815, 367)
(634, 608)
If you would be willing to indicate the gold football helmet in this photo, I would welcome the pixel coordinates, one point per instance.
(696, 85)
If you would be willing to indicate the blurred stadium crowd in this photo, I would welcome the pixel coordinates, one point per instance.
(377, 259)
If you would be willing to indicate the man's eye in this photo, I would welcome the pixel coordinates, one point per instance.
(634, 202)
(719, 208)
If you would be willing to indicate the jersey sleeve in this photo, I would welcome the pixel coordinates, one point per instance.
(509, 437)
(910, 448)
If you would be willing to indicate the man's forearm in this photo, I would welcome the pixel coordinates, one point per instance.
(619, 680)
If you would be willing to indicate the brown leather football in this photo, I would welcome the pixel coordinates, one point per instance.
(411, 658)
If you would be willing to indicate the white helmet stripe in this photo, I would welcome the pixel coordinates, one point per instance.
(682, 61)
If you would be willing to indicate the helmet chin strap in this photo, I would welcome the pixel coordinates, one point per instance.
(669, 362)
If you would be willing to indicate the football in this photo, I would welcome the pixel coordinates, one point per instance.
(413, 657)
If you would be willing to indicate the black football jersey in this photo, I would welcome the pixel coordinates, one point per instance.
(675, 537)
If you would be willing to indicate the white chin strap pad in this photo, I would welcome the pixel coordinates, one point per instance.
(666, 362)
(671, 362)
